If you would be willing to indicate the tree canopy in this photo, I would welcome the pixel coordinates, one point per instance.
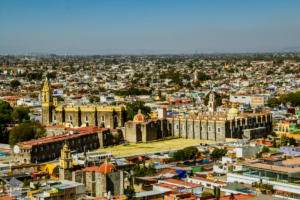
(132, 91)
(293, 98)
(218, 153)
(203, 76)
(187, 153)
(273, 102)
(14, 84)
(133, 108)
(26, 131)
(284, 140)
(20, 114)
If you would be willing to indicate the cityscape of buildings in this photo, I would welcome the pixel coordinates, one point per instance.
(150, 127)
(149, 100)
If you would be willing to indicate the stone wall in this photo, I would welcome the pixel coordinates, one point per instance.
(88, 116)
(214, 130)
(114, 183)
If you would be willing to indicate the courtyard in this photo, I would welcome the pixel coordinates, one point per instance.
(140, 148)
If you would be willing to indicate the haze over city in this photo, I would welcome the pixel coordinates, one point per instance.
(148, 27)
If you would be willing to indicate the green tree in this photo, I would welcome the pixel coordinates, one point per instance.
(265, 149)
(96, 99)
(51, 75)
(274, 143)
(218, 98)
(283, 140)
(190, 152)
(218, 153)
(129, 192)
(20, 114)
(178, 155)
(258, 155)
(284, 99)
(26, 131)
(203, 76)
(133, 108)
(91, 99)
(3, 134)
(15, 84)
(294, 98)
(5, 112)
(269, 72)
(5, 118)
(273, 102)
(55, 171)
(59, 98)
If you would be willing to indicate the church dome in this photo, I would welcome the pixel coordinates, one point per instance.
(106, 168)
(233, 111)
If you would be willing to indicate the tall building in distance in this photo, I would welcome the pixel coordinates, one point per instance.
(47, 103)
(65, 164)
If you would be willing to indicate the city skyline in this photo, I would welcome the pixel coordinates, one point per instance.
(156, 27)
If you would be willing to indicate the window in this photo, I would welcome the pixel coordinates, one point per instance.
(102, 118)
(219, 130)
(177, 126)
(54, 117)
(182, 127)
(209, 128)
(116, 119)
(70, 118)
(86, 119)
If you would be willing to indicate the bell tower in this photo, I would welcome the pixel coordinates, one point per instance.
(46, 103)
(65, 164)
(212, 106)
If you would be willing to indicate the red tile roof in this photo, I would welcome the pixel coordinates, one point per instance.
(105, 168)
(81, 131)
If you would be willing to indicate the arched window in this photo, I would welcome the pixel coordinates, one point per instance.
(102, 119)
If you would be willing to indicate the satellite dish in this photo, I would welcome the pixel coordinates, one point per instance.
(16, 149)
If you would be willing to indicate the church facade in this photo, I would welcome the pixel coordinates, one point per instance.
(213, 125)
(101, 181)
(78, 116)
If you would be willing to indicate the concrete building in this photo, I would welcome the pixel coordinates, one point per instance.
(283, 175)
(45, 149)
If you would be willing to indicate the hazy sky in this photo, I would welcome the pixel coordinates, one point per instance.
(148, 26)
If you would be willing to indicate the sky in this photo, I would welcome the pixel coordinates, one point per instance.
(148, 26)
